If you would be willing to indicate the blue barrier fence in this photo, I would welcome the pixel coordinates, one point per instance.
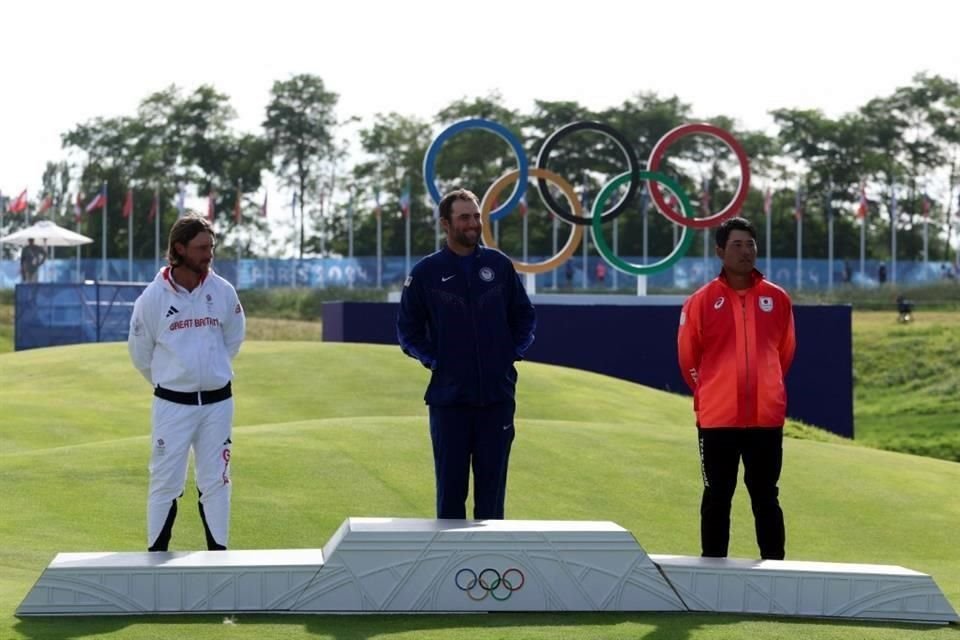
(361, 272)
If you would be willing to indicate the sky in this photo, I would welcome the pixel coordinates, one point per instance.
(62, 63)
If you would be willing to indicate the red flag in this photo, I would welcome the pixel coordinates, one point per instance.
(154, 205)
(236, 209)
(211, 205)
(864, 207)
(45, 205)
(128, 204)
(768, 202)
(20, 204)
(263, 209)
(523, 205)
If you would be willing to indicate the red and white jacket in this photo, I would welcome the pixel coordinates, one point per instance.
(185, 340)
(735, 348)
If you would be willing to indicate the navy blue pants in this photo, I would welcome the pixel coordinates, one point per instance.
(466, 436)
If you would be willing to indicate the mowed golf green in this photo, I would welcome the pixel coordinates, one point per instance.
(327, 431)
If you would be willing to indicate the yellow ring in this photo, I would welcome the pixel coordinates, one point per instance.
(486, 206)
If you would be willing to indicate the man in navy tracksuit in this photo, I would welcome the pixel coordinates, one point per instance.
(465, 316)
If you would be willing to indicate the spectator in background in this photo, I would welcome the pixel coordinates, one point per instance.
(31, 257)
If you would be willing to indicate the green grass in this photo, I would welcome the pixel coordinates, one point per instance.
(907, 382)
(327, 431)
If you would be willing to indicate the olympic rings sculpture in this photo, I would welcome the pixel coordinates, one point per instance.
(656, 182)
(491, 583)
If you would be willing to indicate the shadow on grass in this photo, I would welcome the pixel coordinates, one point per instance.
(653, 626)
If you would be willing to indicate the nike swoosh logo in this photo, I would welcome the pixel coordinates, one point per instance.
(447, 278)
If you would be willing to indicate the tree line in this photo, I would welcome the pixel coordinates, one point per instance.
(900, 148)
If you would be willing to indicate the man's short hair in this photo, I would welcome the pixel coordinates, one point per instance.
(183, 231)
(728, 225)
(446, 203)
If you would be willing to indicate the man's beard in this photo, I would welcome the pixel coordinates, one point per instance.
(465, 240)
(196, 267)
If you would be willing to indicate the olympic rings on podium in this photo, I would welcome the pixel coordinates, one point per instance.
(491, 583)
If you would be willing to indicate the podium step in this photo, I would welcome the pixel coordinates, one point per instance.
(816, 589)
(415, 565)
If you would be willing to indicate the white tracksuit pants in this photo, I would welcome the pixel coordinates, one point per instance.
(177, 427)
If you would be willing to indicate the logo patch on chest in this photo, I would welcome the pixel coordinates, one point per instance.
(486, 274)
(766, 304)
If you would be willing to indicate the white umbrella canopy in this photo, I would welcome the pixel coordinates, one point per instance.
(46, 233)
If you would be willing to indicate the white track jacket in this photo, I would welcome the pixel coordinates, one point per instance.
(185, 341)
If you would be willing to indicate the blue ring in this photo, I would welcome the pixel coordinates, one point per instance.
(430, 160)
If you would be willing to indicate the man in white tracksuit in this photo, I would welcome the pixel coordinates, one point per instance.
(185, 330)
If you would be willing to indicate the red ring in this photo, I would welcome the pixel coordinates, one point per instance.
(739, 198)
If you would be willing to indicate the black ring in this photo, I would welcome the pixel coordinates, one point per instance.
(491, 586)
(456, 579)
(633, 166)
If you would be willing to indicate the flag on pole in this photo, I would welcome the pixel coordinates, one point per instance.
(236, 208)
(181, 201)
(376, 202)
(98, 201)
(154, 206)
(768, 202)
(19, 205)
(263, 209)
(864, 208)
(924, 205)
(211, 205)
(705, 197)
(128, 204)
(45, 204)
(644, 200)
(893, 205)
(523, 204)
(405, 200)
(798, 204)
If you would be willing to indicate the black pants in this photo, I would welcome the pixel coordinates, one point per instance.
(472, 436)
(720, 454)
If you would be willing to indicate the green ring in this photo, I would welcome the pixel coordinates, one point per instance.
(596, 226)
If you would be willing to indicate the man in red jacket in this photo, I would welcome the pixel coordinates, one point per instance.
(735, 345)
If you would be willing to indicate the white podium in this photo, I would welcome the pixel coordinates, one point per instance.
(411, 565)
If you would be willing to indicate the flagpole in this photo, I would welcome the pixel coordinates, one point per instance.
(406, 228)
(828, 209)
(830, 251)
(379, 248)
(156, 230)
(799, 250)
(525, 254)
(893, 234)
(103, 227)
(616, 244)
(769, 231)
(554, 234)
(130, 243)
(293, 214)
(863, 247)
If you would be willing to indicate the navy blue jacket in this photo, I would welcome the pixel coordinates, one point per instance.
(468, 328)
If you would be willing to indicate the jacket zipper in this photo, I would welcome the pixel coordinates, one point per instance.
(746, 357)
